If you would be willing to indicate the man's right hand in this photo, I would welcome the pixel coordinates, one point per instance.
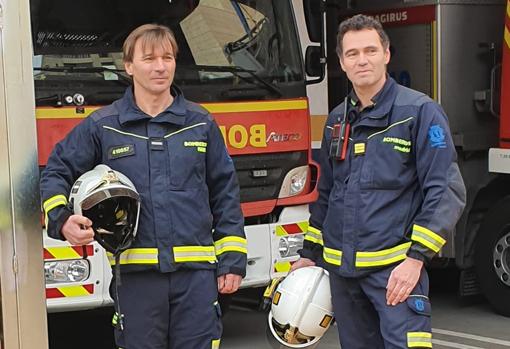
(301, 263)
(77, 230)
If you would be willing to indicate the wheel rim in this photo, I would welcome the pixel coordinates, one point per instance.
(501, 258)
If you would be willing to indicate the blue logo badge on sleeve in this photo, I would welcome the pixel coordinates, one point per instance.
(437, 137)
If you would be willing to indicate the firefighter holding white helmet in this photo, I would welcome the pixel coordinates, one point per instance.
(190, 242)
(390, 191)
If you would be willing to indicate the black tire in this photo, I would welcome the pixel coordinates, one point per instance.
(492, 256)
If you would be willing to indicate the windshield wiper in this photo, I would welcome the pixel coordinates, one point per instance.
(71, 69)
(237, 71)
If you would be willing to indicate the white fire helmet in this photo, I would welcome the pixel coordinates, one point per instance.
(301, 310)
(110, 200)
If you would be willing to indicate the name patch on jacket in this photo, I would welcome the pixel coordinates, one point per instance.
(359, 148)
(119, 151)
(399, 144)
(201, 146)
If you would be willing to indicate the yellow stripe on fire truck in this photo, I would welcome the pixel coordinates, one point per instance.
(296, 228)
(69, 291)
(68, 252)
(258, 106)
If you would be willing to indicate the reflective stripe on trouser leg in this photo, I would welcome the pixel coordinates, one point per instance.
(407, 324)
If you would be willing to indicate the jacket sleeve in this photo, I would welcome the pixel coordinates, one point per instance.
(228, 221)
(77, 153)
(442, 187)
(313, 243)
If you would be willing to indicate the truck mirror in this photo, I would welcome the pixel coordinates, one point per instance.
(313, 16)
(313, 64)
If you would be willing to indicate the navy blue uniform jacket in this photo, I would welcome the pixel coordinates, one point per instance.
(398, 193)
(190, 211)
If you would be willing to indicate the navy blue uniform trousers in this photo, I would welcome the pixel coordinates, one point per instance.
(177, 310)
(364, 319)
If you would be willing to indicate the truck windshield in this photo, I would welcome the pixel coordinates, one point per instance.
(228, 50)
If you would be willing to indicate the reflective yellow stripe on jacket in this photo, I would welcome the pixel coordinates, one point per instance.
(314, 235)
(136, 256)
(419, 339)
(183, 254)
(332, 256)
(230, 244)
(51, 203)
(382, 257)
(427, 238)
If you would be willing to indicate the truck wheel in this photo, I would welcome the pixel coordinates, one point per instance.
(492, 256)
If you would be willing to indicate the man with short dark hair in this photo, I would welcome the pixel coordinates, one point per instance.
(390, 192)
(190, 242)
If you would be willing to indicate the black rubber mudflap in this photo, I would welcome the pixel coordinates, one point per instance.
(468, 283)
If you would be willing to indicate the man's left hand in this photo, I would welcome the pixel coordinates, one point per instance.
(402, 280)
(229, 283)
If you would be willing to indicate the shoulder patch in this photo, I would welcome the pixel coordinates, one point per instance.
(437, 136)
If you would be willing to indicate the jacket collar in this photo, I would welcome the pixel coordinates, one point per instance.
(175, 113)
(377, 115)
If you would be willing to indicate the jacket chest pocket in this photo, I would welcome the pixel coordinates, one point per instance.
(128, 158)
(386, 163)
(186, 164)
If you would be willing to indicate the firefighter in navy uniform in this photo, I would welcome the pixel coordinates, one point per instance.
(389, 193)
(190, 242)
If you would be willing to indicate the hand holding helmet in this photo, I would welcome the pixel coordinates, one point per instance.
(301, 263)
(106, 202)
(77, 230)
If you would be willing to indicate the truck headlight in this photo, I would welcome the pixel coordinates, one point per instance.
(294, 182)
(74, 270)
(290, 244)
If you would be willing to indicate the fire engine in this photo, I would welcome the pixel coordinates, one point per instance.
(242, 60)
(451, 50)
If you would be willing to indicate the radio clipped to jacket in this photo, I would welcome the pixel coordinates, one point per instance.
(340, 137)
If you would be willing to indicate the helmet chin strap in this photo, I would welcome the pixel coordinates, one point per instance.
(104, 231)
(117, 284)
(121, 247)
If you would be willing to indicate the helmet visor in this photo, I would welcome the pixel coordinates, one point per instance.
(114, 221)
(93, 199)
